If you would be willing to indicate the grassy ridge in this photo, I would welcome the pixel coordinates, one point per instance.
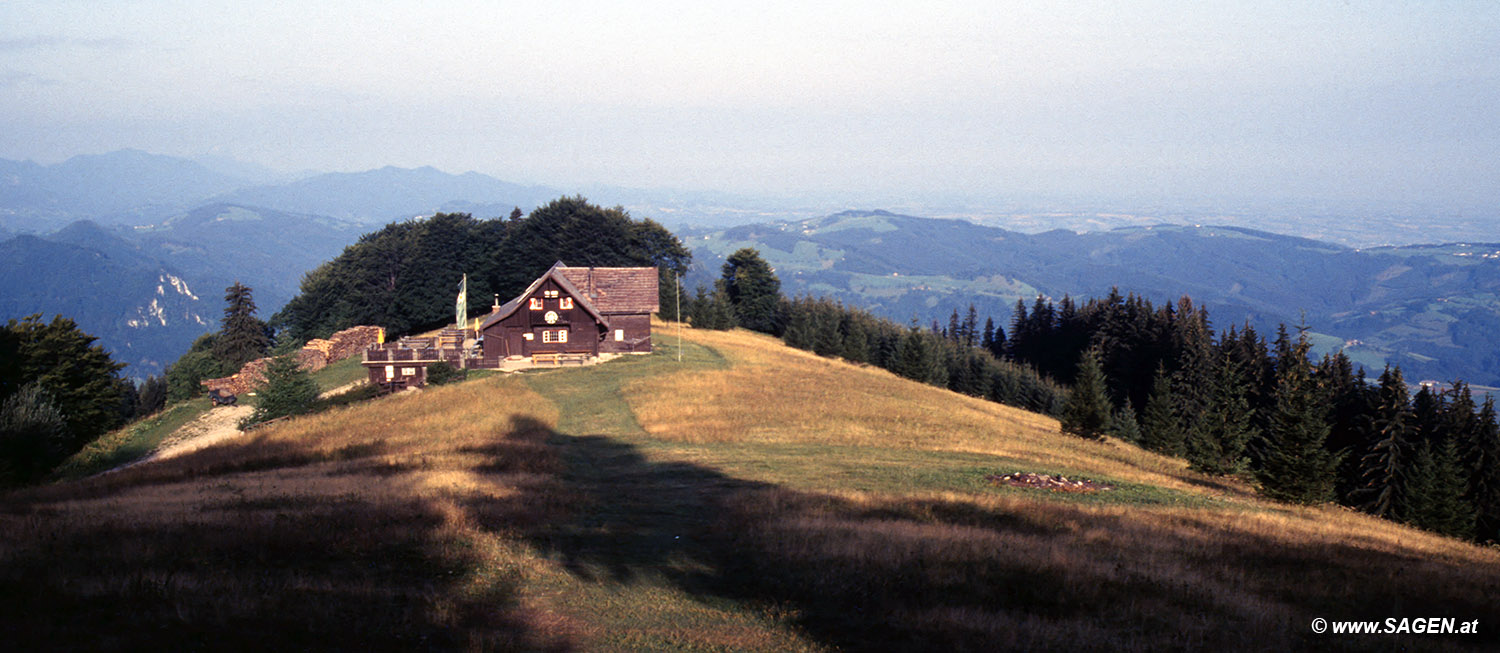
(749, 498)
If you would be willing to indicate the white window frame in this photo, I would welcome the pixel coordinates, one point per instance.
(549, 294)
(536, 303)
(565, 303)
(619, 335)
(562, 335)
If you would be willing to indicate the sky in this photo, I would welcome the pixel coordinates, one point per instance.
(1361, 102)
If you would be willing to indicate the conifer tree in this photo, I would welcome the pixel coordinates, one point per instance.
(1483, 466)
(918, 358)
(971, 327)
(1124, 424)
(1296, 466)
(1086, 413)
(1433, 499)
(752, 290)
(242, 336)
(1217, 441)
(1160, 430)
(1386, 462)
(288, 391)
(856, 339)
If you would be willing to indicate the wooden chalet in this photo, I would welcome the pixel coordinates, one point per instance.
(580, 311)
(567, 315)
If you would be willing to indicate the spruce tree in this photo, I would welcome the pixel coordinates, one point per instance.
(1386, 462)
(1124, 425)
(918, 358)
(288, 390)
(1433, 499)
(856, 338)
(242, 336)
(1296, 466)
(1160, 429)
(1217, 441)
(1484, 473)
(1086, 413)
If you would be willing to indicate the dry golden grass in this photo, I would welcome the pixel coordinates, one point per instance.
(461, 518)
(776, 394)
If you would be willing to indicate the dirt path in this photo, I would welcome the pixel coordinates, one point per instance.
(212, 427)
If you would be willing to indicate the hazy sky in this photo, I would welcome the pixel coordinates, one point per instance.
(1350, 100)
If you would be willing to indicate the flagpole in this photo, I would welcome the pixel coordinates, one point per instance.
(677, 282)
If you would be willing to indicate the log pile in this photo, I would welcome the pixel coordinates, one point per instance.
(1048, 482)
(315, 355)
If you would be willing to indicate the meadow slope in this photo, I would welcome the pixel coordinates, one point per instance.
(749, 497)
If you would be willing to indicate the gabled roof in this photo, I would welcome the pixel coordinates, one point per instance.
(554, 273)
(617, 290)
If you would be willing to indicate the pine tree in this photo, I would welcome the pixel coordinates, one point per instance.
(1296, 466)
(1160, 430)
(1086, 413)
(242, 336)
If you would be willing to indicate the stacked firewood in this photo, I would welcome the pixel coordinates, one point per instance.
(313, 356)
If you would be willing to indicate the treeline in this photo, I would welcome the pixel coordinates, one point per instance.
(748, 294)
(405, 276)
(1237, 403)
(1231, 402)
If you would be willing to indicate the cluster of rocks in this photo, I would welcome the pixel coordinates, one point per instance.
(315, 355)
(1048, 482)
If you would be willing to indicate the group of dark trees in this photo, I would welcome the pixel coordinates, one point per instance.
(58, 391)
(404, 277)
(241, 338)
(748, 294)
(1234, 403)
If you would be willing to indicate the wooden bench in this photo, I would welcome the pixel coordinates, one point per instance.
(559, 358)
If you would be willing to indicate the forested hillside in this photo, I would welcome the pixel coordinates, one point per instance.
(1434, 310)
(405, 276)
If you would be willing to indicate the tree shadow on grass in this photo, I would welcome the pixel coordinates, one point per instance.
(896, 573)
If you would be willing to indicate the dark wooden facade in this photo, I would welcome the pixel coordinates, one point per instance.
(585, 311)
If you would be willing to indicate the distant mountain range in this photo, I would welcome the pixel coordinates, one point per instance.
(137, 248)
(1432, 309)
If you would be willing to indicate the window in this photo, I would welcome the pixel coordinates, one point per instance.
(562, 336)
(536, 303)
(546, 336)
(528, 336)
(619, 335)
(565, 303)
(555, 336)
(549, 294)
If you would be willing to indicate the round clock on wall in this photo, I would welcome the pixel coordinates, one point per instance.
(550, 317)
